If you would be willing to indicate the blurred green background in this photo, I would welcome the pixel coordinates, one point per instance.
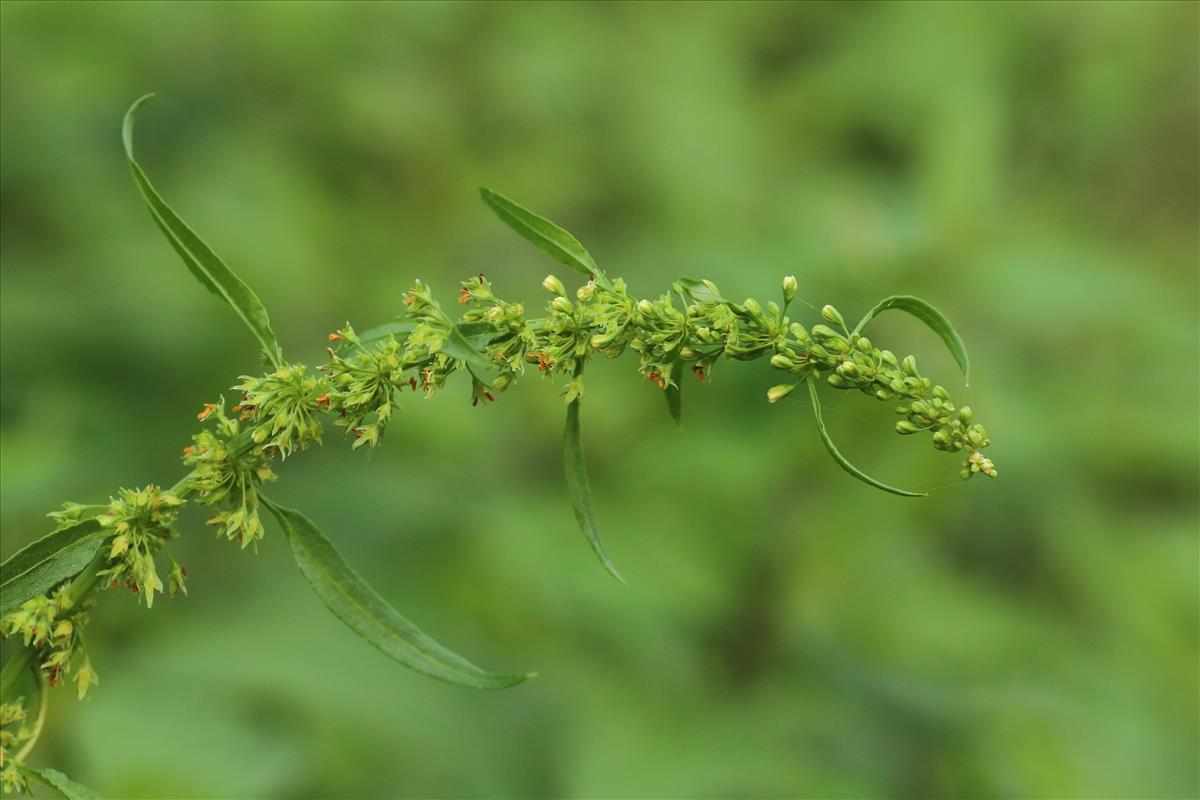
(1031, 169)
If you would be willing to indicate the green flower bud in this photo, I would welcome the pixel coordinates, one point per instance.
(905, 427)
(752, 306)
(832, 316)
(554, 286)
(909, 365)
(824, 333)
(863, 344)
(837, 381)
(965, 414)
(561, 305)
(777, 393)
(889, 358)
(789, 288)
(645, 306)
(780, 361)
(586, 291)
(847, 369)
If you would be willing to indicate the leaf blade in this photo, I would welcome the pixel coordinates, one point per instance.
(457, 345)
(354, 602)
(65, 787)
(199, 258)
(580, 489)
(46, 561)
(935, 320)
(544, 235)
(841, 459)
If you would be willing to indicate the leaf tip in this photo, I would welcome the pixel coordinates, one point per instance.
(127, 124)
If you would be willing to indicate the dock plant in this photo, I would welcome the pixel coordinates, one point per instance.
(49, 589)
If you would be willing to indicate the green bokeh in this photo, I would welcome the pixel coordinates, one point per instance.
(1031, 169)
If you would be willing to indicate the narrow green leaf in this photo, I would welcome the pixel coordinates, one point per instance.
(545, 235)
(53, 558)
(457, 345)
(379, 333)
(206, 265)
(354, 602)
(839, 458)
(935, 319)
(63, 785)
(579, 488)
(675, 394)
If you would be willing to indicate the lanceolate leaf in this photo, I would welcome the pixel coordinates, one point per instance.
(839, 458)
(63, 785)
(53, 558)
(355, 603)
(206, 265)
(935, 319)
(379, 333)
(457, 345)
(545, 235)
(580, 490)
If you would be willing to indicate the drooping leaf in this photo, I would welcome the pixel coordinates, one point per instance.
(935, 319)
(579, 488)
(65, 787)
(839, 458)
(675, 394)
(354, 602)
(545, 235)
(206, 265)
(53, 558)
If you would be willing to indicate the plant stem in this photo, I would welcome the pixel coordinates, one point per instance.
(40, 721)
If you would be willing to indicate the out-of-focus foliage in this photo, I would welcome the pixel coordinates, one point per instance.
(1030, 169)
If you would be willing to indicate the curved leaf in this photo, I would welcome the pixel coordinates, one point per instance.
(579, 488)
(544, 234)
(65, 787)
(53, 558)
(840, 459)
(935, 319)
(206, 265)
(354, 602)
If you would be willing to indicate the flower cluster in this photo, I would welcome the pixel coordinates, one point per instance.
(13, 733)
(141, 520)
(361, 385)
(227, 471)
(283, 406)
(53, 624)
